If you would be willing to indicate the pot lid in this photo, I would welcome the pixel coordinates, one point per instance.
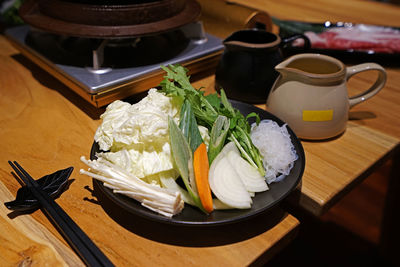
(109, 21)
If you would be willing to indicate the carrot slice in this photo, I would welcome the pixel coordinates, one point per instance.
(201, 169)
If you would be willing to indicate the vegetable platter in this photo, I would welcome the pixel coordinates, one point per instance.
(208, 172)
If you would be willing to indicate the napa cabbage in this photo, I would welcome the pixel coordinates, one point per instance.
(136, 137)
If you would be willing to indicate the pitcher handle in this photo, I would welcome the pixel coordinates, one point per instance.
(374, 89)
(290, 39)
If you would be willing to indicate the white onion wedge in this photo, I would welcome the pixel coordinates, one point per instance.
(219, 205)
(226, 184)
(229, 147)
(251, 177)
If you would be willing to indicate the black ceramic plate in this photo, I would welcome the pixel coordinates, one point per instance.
(190, 216)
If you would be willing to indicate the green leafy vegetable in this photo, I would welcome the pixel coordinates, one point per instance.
(218, 135)
(183, 157)
(207, 109)
(176, 83)
(287, 27)
(9, 12)
(189, 126)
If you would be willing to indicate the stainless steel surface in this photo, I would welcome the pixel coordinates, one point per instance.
(96, 77)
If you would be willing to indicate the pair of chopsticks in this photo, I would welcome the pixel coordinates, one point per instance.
(78, 240)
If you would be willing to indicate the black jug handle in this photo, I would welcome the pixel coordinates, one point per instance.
(287, 41)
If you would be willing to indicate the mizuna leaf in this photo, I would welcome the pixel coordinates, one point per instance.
(189, 126)
(52, 184)
(207, 108)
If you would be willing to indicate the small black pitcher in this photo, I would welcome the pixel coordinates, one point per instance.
(246, 70)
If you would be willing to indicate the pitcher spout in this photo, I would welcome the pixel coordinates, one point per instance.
(284, 68)
(313, 66)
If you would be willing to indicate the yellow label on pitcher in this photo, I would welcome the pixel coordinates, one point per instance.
(318, 115)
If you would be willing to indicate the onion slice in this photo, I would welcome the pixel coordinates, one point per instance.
(226, 184)
(251, 177)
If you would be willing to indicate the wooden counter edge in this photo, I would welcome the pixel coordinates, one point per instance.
(318, 209)
(293, 228)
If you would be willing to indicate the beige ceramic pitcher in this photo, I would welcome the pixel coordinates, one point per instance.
(310, 94)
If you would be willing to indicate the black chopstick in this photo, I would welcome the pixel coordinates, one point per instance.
(78, 240)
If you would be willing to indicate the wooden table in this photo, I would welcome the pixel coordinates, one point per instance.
(334, 167)
(373, 133)
(46, 127)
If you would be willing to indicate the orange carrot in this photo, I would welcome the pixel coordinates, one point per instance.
(201, 169)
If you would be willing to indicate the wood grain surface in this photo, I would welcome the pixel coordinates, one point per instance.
(26, 242)
(336, 166)
(46, 127)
